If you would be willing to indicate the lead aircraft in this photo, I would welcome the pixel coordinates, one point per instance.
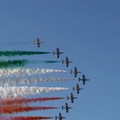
(83, 79)
(37, 42)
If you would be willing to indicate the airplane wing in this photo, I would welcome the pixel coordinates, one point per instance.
(38, 39)
(83, 82)
(75, 69)
(78, 88)
(67, 64)
(72, 100)
(78, 91)
(57, 50)
(83, 77)
(75, 74)
(66, 107)
(67, 110)
(67, 59)
(58, 55)
(38, 44)
(60, 115)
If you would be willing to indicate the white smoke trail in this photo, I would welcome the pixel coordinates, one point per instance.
(28, 81)
(28, 71)
(14, 92)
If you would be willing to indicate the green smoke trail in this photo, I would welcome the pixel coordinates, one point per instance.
(21, 63)
(44, 61)
(13, 63)
(20, 53)
(50, 61)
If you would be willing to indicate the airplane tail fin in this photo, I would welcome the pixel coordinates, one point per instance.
(34, 42)
(68, 98)
(73, 88)
(62, 61)
(79, 79)
(56, 117)
(62, 107)
(53, 52)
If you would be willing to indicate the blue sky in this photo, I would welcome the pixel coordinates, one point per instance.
(87, 31)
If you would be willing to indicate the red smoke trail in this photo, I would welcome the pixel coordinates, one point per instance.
(25, 118)
(27, 100)
(17, 108)
(29, 118)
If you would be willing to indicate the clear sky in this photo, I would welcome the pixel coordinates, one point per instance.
(88, 31)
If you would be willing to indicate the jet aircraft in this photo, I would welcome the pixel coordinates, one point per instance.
(75, 71)
(57, 52)
(77, 88)
(37, 42)
(60, 117)
(66, 61)
(83, 79)
(71, 97)
(66, 107)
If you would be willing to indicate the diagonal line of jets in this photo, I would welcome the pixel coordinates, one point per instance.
(75, 71)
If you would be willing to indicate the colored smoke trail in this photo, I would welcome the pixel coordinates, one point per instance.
(44, 61)
(25, 118)
(28, 71)
(50, 61)
(9, 109)
(18, 63)
(20, 53)
(15, 92)
(28, 81)
(30, 118)
(12, 63)
(27, 100)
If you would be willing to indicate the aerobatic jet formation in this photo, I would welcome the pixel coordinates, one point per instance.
(37, 42)
(75, 71)
(57, 52)
(66, 61)
(33, 90)
(71, 97)
(83, 79)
